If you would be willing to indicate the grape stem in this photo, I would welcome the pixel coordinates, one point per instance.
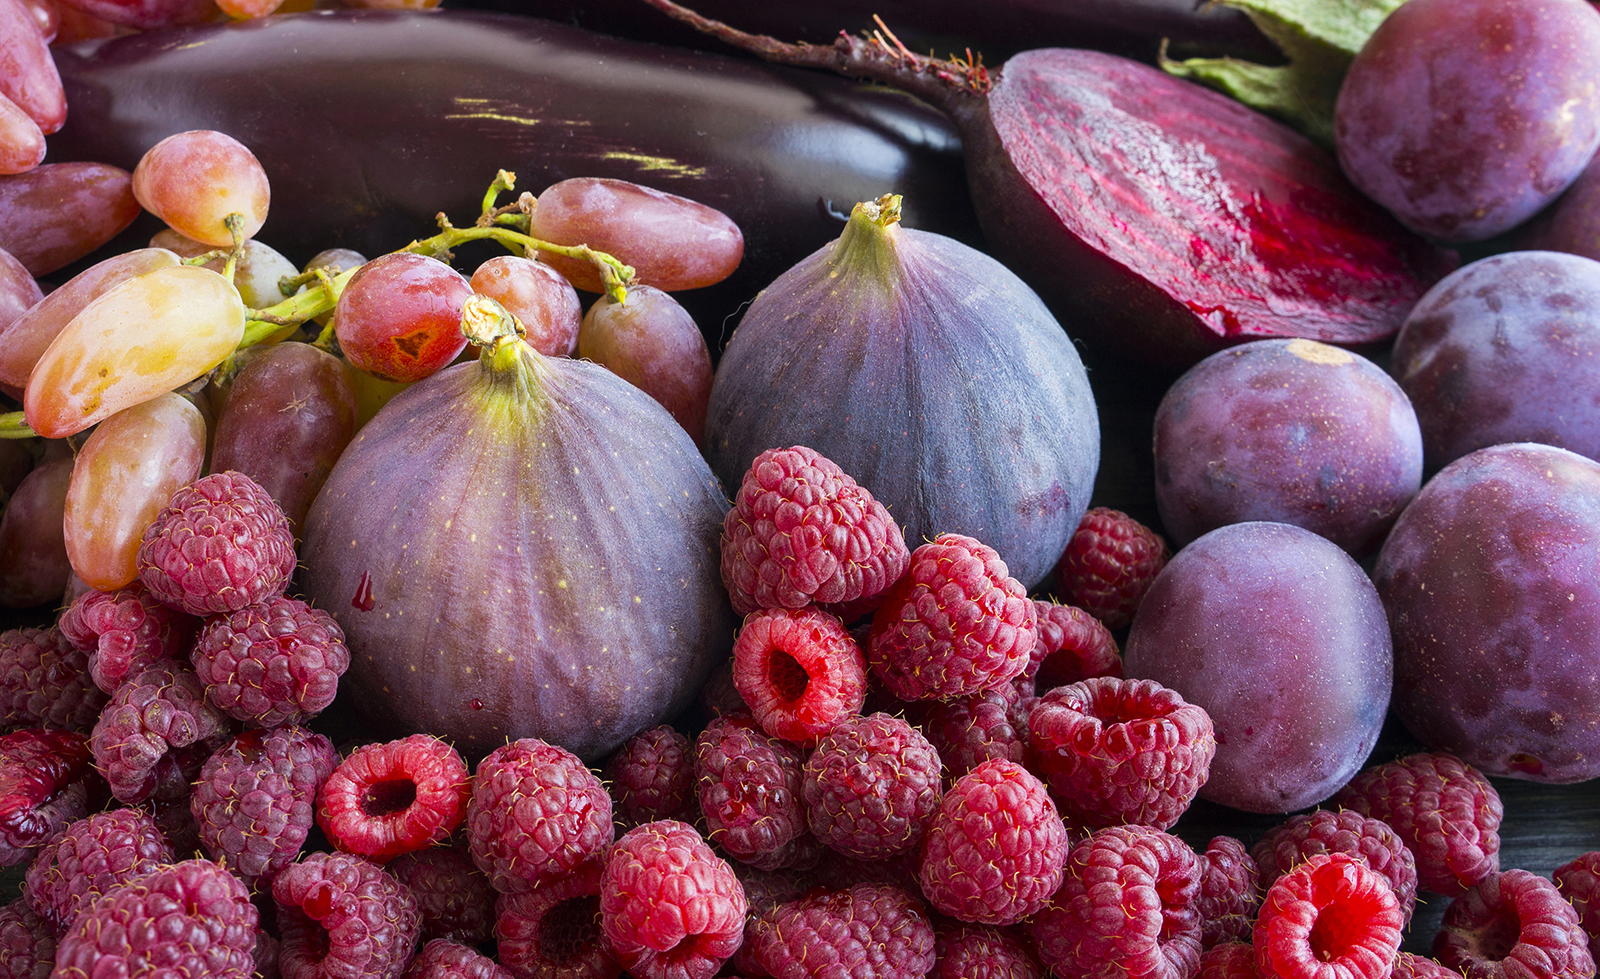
(14, 426)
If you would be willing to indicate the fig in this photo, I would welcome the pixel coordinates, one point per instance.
(521, 546)
(930, 374)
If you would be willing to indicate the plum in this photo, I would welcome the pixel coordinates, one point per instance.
(1491, 580)
(1294, 431)
(1280, 636)
(1506, 349)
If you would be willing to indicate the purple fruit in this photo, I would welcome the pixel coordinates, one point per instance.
(1491, 578)
(1506, 349)
(1286, 430)
(1280, 637)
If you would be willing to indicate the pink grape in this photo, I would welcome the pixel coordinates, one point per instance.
(57, 213)
(399, 316)
(33, 550)
(47, 15)
(146, 15)
(539, 296)
(193, 180)
(21, 139)
(256, 274)
(28, 73)
(652, 343)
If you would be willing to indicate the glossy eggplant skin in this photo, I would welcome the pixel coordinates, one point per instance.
(369, 123)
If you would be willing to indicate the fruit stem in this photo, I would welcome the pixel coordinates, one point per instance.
(868, 239)
(484, 321)
(235, 225)
(13, 426)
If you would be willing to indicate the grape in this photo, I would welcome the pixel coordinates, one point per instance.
(125, 473)
(372, 393)
(193, 180)
(289, 414)
(672, 242)
(399, 316)
(57, 213)
(1506, 349)
(21, 141)
(16, 461)
(652, 343)
(1280, 636)
(146, 15)
(28, 75)
(1288, 430)
(33, 552)
(146, 335)
(47, 15)
(30, 334)
(248, 9)
(1465, 117)
(256, 275)
(18, 294)
(336, 260)
(539, 296)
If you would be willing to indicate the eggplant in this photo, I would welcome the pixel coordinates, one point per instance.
(371, 122)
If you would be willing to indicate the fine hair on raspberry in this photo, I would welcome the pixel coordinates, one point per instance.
(1511, 924)
(800, 671)
(1330, 917)
(390, 798)
(535, 811)
(670, 907)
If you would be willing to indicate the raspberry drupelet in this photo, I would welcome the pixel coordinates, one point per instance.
(45, 778)
(1579, 880)
(126, 631)
(1331, 917)
(1305, 835)
(535, 811)
(869, 931)
(443, 958)
(1109, 564)
(1510, 925)
(1073, 645)
(1230, 892)
(152, 715)
(45, 682)
(394, 797)
(968, 731)
(955, 623)
(553, 930)
(871, 787)
(750, 792)
(802, 531)
(27, 943)
(983, 952)
(669, 906)
(652, 777)
(453, 895)
(1409, 966)
(1229, 960)
(799, 670)
(88, 858)
(339, 915)
(272, 663)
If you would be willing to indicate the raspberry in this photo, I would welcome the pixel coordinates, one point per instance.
(255, 800)
(749, 791)
(801, 530)
(453, 896)
(871, 787)
(670, 906)
(1121, 751)
(1292, 841)
(126, 631)
(274, 663)
(442, 958)
(342, 915)
(652, 777)
(799, 670)
(1444, 810)
(41, 788)
(1513, 924)
(553, 930)
(1579, 880)
(88, 858)
(1331, 917)
(870, 931)
(162, 709)
(535, 811)
(1073, 645)
(955, 623)
(981, 952)
(1126, 908)
(1408, 966)
(1229, 960)
(392, 798)
(191, 918)
(220, 544)
(719, 696)
(27, 943)
(1109, 564)
(967, 731)
(45, 682)
(995, 849)
(1230, 892)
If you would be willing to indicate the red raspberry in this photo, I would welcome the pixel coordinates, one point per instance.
(255, 800)
(652, 777)
(967, 731)
(870, 931)
(274, 663)
(27, 943)
(220, 544)
(342, 915)
(392, 798)
(1408, 966)
(535, 811)
(553, 930)
(1229, 960)
(871, 787)
(1444, 810)
(1292, 841)
(719, 696)
(1579, 880)
(749, 791)
(185, 919)
(670, 906)
(90, 857)
(1072, 646)
(1109, 564)
(126, 631)
(995, 849)
(982, 952)
(1126, 908)
(161, 710)
(1513, 924)
(42, 788)
(453, 895)
(45, 682)
(799, 670)
(1121, 751)
(956, 623)
(1230, 892)
(802, 531)
(442, 958)
(1331, 917)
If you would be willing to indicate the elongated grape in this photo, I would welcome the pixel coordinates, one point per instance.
(149, 334)
(29, 336)
(125, 473)
(193, 180)
(147, 15)
(256, 274)
(18, 292)
(57, 213)
(47, 15)
(33, 551)
(539, 296)
(21, 139)
(652, 343)
(28, 74)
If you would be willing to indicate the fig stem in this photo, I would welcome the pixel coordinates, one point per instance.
(14, 426)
